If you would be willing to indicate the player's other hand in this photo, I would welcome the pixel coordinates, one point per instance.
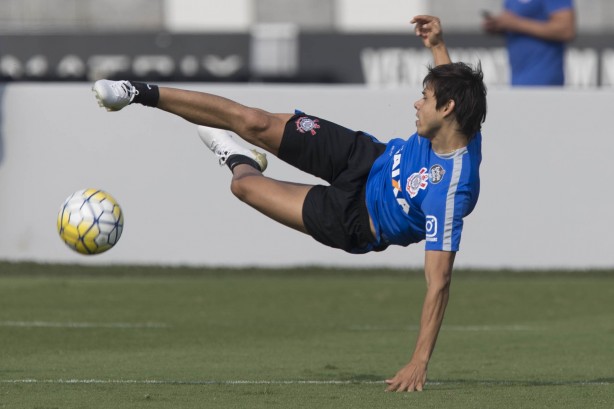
(410, 378)
(429, 29)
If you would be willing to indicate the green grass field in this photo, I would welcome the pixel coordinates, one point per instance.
(137, 337)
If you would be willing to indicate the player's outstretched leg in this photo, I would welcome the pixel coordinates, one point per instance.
(229, 152)
(256, 126)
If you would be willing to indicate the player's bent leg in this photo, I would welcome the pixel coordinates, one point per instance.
(281, 201)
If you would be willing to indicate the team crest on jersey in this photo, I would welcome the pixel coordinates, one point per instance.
(305, 124)
(416, 182)
(436, 173)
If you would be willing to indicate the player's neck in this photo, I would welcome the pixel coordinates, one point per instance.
(448, 140)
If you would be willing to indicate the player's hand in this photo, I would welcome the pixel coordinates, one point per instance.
(429, 29)
(410, 378)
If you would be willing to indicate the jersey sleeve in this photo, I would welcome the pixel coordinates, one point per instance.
(444, 220)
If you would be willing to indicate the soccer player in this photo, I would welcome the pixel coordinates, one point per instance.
(398, 193)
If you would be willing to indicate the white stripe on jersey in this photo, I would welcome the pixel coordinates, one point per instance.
(449, 216)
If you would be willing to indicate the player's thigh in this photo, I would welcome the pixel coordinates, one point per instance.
(328, 150)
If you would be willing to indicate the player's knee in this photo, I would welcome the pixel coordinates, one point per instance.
(240, 187)
(256, 123)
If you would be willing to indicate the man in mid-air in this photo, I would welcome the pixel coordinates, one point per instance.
(378, 194)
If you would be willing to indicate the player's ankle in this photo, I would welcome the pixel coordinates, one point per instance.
(234, 160)
(147, 95)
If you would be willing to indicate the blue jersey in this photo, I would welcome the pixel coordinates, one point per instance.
(535, 61)
(415, 194)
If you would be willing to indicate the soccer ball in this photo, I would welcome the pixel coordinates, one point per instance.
(90, 221)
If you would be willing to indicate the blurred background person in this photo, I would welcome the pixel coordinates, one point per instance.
(537, 32)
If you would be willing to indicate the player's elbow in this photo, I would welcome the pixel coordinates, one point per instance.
(441, 284)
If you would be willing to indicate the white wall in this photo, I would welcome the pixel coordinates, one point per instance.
(546, 178)
(377, 16)
(198, 16)
(241, 15)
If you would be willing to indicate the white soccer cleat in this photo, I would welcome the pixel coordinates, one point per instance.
(114, 95)
(223, 145)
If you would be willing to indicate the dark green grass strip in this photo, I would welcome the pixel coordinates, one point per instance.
(24, 269)
(158, 337)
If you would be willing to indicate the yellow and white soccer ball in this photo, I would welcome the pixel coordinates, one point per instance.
(90, 221)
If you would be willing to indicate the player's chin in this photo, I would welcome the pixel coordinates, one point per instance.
(421, 128)
(425, 131)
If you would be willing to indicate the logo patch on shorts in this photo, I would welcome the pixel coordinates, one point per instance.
(305, 124)
(416, 182)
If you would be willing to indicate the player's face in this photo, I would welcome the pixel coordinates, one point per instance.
(429, 119)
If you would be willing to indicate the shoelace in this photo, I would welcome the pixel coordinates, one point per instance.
(221, 153)
(123, 89)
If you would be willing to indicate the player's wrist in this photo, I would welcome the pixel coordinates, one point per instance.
(420, 359)
(439, 46)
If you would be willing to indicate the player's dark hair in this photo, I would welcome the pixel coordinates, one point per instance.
(465, 86)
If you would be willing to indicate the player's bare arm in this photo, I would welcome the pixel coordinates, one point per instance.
(438, 272)
(429, 29)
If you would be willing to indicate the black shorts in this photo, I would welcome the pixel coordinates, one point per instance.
(334, 215)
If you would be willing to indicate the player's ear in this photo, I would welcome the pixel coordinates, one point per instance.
(448, 108)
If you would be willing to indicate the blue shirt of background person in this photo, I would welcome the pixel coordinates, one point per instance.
(535, 61)
(536, 34)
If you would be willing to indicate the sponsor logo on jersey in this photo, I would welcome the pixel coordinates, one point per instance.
(416, 182)
(396, 182)
(305, 124)
(431, 228)
(436, 174)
